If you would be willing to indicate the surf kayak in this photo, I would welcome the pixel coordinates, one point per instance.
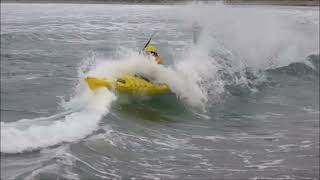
(129, 84)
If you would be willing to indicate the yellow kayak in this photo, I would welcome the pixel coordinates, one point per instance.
(130, 85)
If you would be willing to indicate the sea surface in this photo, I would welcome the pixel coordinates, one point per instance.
(244, 101)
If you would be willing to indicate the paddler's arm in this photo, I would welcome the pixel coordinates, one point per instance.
(158, 59)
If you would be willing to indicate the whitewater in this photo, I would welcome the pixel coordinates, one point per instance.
(244, 101)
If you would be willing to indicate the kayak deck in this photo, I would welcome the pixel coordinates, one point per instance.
(128, 84)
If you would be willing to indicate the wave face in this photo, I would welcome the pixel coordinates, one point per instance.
(31, 134)
(244, 83)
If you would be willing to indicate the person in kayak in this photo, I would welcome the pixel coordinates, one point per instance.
(152, 50)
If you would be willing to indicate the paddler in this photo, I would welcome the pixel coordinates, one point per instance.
(152, 50)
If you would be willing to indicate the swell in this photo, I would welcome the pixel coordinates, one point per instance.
(310, 67)
(33, 134)
(249, 80)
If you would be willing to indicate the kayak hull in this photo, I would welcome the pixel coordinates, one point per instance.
(129, 84)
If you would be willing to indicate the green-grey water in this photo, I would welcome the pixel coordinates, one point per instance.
(244, 101)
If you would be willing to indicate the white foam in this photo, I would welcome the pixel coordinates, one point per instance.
(189, 79)
(72, 127)
(85, 109)
(257, 35)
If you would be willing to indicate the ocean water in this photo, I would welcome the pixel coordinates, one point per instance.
(244, 101)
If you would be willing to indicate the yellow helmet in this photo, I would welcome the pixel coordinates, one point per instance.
(151, 48)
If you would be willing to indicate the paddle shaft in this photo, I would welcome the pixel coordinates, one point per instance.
(148, 41)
